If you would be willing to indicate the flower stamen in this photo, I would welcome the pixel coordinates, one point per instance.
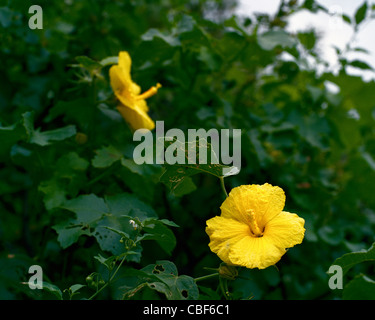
(254, 228)
(149, 93)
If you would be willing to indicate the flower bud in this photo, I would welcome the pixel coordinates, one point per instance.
(228, 272)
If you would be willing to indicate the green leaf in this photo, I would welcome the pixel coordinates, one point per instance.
(88, 63)
(156, 230)
(360, 13)
(121, 233)
(360, 288)
(109, 232)
(271, 39)
(53, 289)
(108, 262)
(69, 233)
(349, 260)
(105, 157)
(168, 38)
(125, 204)
(46, 137)
(359, 64)
(169, 223)
(185, 187)
(173, 286)
(140, 169)
(109, 61)
(178, 181)
(176, 177)
(88, 208)
(346, 18)
(75, 287)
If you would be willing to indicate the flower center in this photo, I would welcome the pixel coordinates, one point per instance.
(254, 227)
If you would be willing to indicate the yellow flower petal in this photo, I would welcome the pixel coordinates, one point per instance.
(285, 230)
(125, 63)
(136, 118)
(253, 252)
(266, 201)
(223, 233)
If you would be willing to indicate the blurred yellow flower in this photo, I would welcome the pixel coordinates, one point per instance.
(252, 230)
(133, 106)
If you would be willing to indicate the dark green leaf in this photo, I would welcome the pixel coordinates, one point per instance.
(349, 260)
(361, 13)
(360, 288)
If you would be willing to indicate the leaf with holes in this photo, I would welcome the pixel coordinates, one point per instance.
(192, 158)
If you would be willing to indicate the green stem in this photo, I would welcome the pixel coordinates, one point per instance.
(206, 277)
(110, 280)
(224, 287)
(223, 186)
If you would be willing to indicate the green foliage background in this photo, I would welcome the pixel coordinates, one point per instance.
(69, 187)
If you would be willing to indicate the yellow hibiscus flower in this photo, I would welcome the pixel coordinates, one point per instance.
(133, 106)
(252, 230)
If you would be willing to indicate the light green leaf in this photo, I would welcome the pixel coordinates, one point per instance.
(271, 39)
(75, 287)
(109, 61)
(154, 33)
(46, 137)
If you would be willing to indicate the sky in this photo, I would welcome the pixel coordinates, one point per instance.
(334, 31)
